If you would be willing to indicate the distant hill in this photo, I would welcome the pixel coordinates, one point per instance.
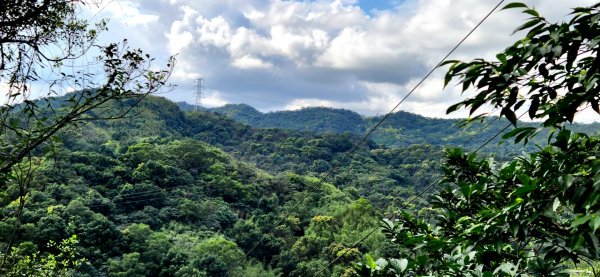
(241, 113)
(316, 119)
(400, 129)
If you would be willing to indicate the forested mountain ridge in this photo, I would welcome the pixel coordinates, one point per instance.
(317, 119)
(108, 180)
(168, 193)
(187, 193)
(399, 129)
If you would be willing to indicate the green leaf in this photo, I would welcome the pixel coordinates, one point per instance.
(519, 104)
(399, 265)
(533, 108)
(512, 98)
(595, 106)
(514, 5)
(369, 261)
(447, 79)
(592, 241)
(572, 54)
(552, 93)
(502, 58)
(449, 62)
(593, 42)
(454, 107)
(527, 25)
(566, 181)
(510, 115)
(595, 222)
(581, 220)
(543, 70)
(508, 268)
(524, 190)
(531, 12)
(557, 50)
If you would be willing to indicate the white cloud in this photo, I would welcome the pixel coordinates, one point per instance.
(249, 62)
(127, 12)
(215, 32)
(322, 52)
(178, 38)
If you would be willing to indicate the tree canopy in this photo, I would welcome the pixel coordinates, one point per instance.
(538, 214)
(44, 49)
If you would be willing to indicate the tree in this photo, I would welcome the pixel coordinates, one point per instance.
(46, 40)
(63, 263)
(554, 69)
(129, 265)
(539, 212)
(31, 30)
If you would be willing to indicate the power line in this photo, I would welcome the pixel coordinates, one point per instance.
(405, 205)
(130, 196)
(366, 136)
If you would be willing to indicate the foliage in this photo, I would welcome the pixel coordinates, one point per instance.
(183, 207)
(31, 31)
(530, 216)
(26, 261)
(553, 69)
(539, 213)
(188, 194)
(399, 130)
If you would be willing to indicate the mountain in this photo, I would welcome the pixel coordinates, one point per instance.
(189, 193)
(240, 112)
(400, 129)
(316, 119)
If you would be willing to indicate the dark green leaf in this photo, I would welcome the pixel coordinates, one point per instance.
(581, 220)
(519, 104)
(514, 5)
(502, 58)
(533, 108)
(595, 222)
(552, 93)
(510, 115)
(595, 106)
(454, 107)
(512, 98)
(522, 191)
(527, 25)
(543, 70)
(531, 12)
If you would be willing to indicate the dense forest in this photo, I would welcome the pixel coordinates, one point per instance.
(106, 179)
(400, 129)
(189, 193)
(177, 192)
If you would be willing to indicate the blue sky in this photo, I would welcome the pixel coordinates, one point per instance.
(370, 5)
(355, 54)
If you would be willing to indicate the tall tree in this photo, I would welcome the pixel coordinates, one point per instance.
(47, 41)
(42, 40)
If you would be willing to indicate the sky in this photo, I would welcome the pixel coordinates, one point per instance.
(359, 55)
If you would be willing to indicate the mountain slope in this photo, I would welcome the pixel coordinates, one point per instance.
(400, 129)
(316, 119)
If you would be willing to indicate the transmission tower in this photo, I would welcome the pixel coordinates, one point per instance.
(199, 84)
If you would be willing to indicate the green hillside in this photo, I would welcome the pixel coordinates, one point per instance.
(400, 129)
(164, 193)
(101, 177)
(175, 191)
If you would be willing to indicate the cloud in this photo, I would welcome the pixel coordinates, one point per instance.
(333, 53)
(249, 62)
